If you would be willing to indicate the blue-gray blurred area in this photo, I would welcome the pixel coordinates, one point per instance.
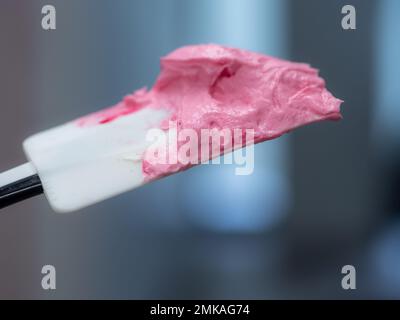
(322, 197)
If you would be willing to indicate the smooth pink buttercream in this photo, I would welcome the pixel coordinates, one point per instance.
(210, 86)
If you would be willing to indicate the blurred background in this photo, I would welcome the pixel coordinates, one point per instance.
(322, 197)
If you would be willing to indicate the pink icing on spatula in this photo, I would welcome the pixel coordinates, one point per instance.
(200, 88)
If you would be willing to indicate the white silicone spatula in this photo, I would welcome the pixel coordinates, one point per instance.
(200, 87)
(79, 166)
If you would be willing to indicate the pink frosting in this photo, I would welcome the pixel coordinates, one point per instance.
(210, 86)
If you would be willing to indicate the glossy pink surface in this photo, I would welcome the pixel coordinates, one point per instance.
(210, 86)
